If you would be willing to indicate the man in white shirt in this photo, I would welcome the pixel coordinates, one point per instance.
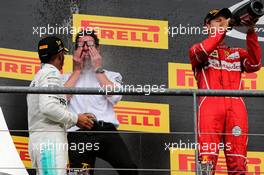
(88, 72)
(48, 116)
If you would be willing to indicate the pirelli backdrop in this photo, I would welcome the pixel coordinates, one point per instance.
(147, 42)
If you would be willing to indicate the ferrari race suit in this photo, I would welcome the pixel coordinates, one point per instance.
(216, 66)
(48, 119)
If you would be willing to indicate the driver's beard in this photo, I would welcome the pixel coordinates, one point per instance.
(87, 63)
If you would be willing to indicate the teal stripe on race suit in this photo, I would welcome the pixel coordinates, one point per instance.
(48, 161)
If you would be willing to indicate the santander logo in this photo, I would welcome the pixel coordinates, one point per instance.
(240, 35)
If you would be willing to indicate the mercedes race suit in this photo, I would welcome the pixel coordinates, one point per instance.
(48, 119)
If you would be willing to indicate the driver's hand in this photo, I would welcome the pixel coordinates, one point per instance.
(225, 24)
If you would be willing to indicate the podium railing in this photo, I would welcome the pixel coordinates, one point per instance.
(120, 91)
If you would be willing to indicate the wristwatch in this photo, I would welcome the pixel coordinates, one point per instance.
(99, 70)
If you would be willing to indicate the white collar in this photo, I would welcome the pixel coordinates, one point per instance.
(47, 65)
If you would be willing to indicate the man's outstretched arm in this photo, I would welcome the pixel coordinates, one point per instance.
(251, 58)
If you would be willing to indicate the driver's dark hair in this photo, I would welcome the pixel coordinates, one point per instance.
(86, 33)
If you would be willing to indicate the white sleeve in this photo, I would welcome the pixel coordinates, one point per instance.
(115, 78)
(65, 77)
(52, 105)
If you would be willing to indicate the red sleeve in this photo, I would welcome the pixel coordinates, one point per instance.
(199, 52)
(251, 59)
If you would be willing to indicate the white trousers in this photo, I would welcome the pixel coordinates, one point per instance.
(49, 152)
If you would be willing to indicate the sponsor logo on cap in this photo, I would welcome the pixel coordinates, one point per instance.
(214, 11)
(58, 42)
(43, 47)
(60, 48)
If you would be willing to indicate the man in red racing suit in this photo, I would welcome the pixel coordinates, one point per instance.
(216, 66)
